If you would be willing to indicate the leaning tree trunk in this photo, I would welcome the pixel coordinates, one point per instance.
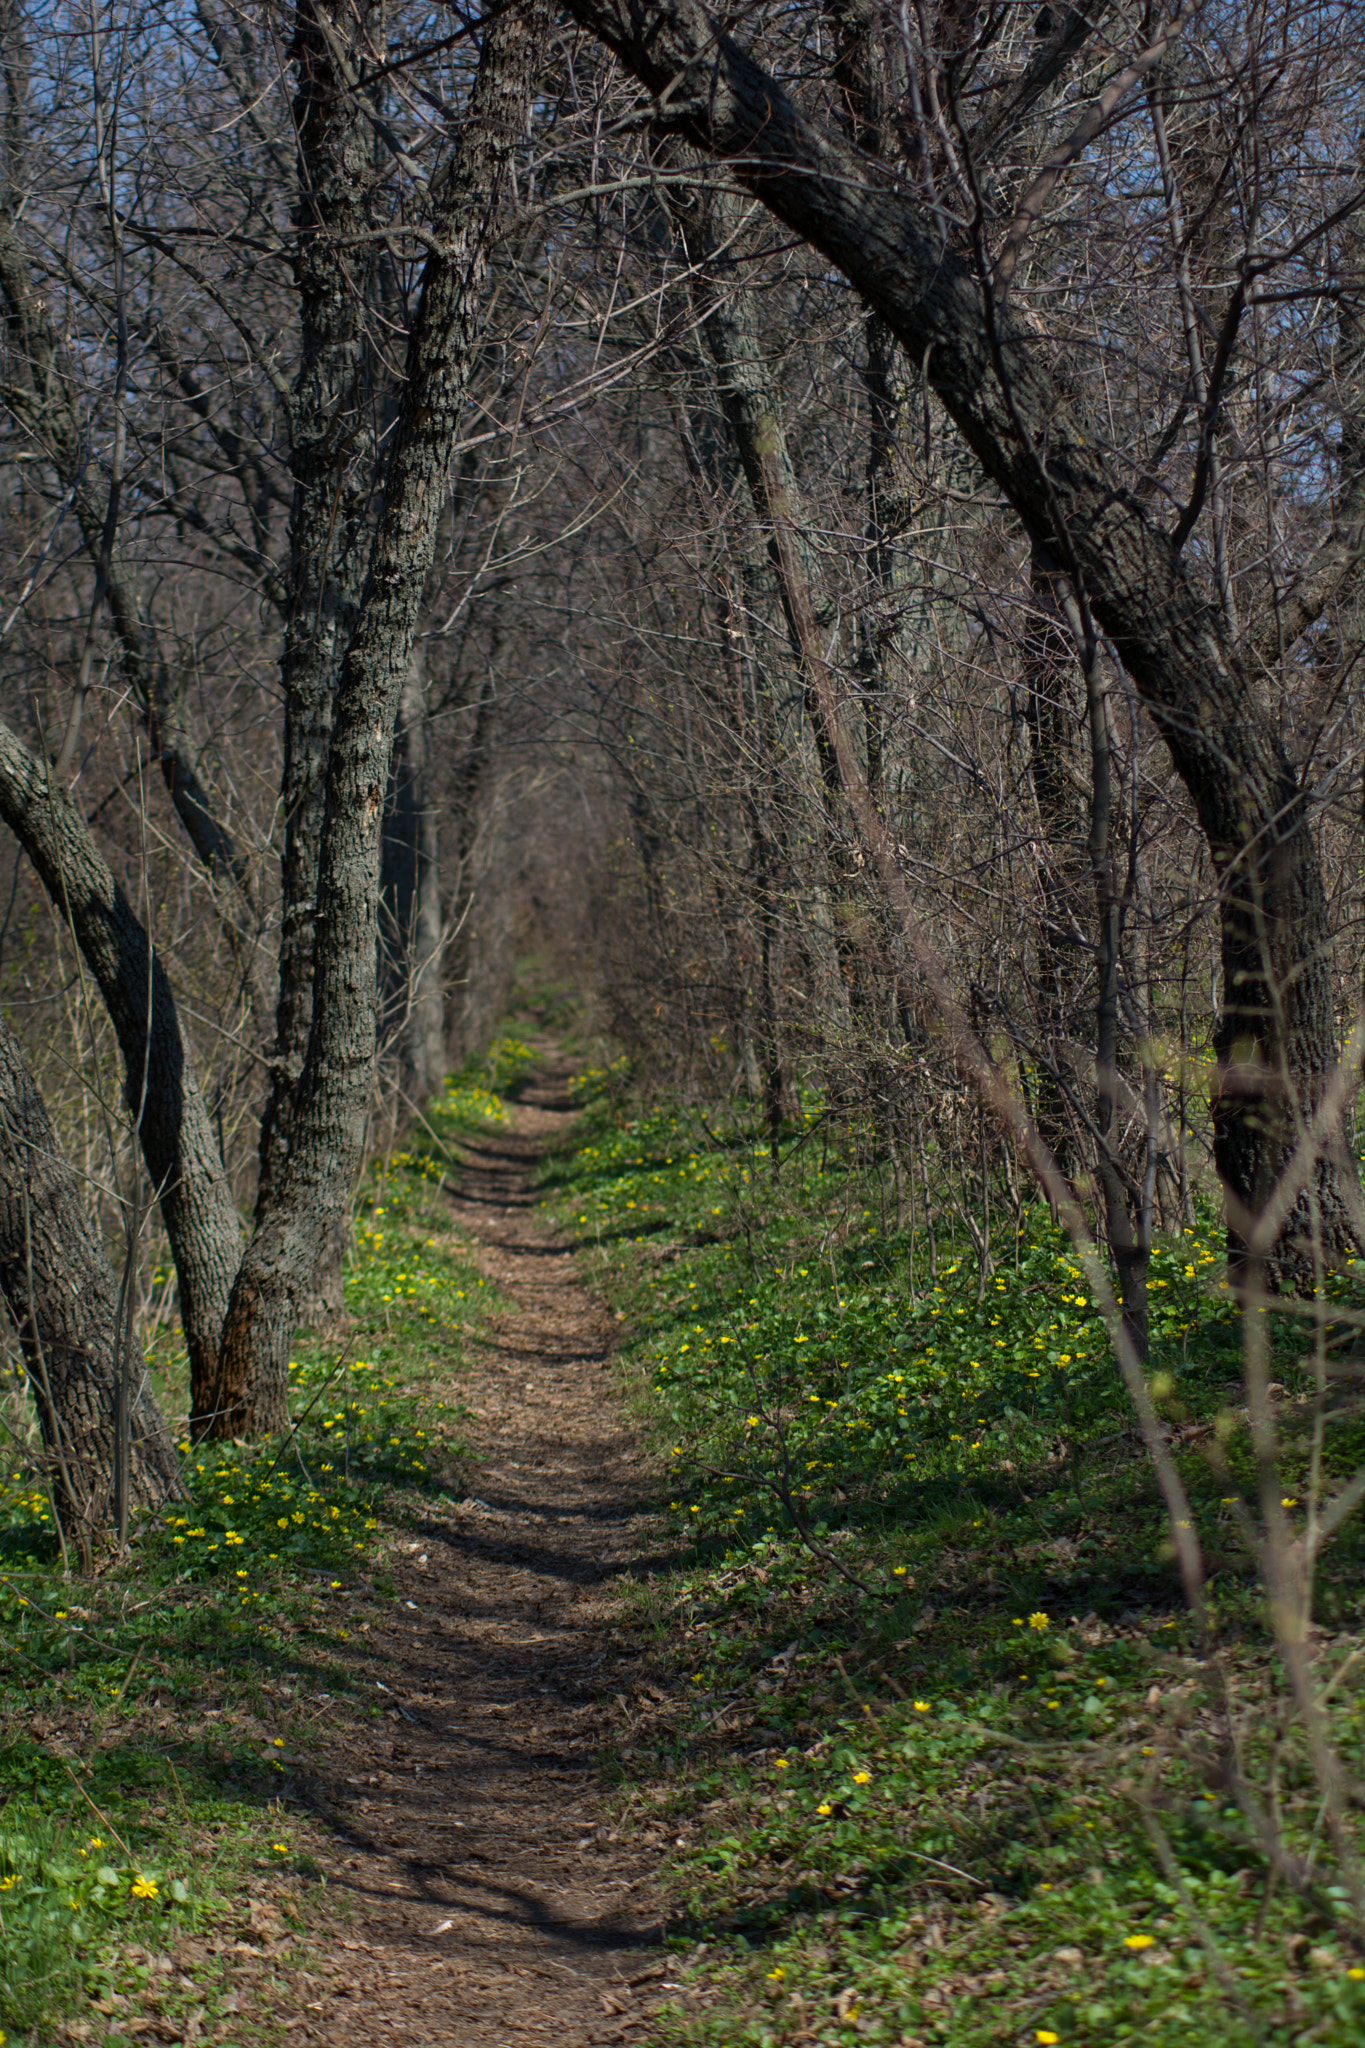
(331, 1103)
(178, 1141)
(58, 1287)
(1276, 1038)
(43, 400)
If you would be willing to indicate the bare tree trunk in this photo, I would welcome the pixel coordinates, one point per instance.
(708, 221)
(410, 906)
(333, 1095)
(176, 1132)
(330, 435)
(1048, 672)
(41, 395)
(58, 1287)
(1125, 1214)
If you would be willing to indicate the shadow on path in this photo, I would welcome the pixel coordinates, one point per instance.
(491, 1902)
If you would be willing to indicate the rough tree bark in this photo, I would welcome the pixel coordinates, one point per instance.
(1276, 1037)
(179, 1144)
(58, 1288)
(410, 924)
(332, 1099)
(330, 438)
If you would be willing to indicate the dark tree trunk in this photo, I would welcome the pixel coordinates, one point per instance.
(1126, 1218)
(1048, 675)
(179, 1146)
(330, 439)
(332, 1099)
(178, 1140)
(467, 787)
(58, 1287)
(410, 909)
(1276, 1038)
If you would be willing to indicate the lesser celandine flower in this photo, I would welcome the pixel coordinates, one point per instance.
(1138, 1940)
(1038, 1621)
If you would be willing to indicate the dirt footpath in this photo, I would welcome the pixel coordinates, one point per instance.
(492, 1902)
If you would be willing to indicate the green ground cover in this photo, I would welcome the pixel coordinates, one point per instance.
(155, 1719)
(950, 1761)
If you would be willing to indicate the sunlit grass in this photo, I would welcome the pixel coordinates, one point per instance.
(170, 1691)
(921, 1760)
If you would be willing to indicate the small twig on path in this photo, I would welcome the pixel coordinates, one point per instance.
(102, 1817)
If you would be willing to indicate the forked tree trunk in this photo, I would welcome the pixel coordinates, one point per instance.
(57, 1286)
(332, 1100)
(179, 1144)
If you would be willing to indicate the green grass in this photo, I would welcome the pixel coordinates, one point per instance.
(944, 1752)
(157, 1720)
(476, 1099)
(947, 1754)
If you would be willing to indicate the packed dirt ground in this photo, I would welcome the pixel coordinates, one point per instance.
(487, 1897)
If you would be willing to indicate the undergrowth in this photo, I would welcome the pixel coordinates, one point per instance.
(157, 1719)
(949, 1761)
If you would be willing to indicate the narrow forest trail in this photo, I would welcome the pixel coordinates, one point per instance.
(491, 1900)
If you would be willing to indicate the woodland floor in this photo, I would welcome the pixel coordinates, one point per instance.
(485, 1895)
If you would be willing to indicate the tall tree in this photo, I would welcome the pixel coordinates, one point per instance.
(332, 1097)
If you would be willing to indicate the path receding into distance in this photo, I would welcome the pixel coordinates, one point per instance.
(491, 1898)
